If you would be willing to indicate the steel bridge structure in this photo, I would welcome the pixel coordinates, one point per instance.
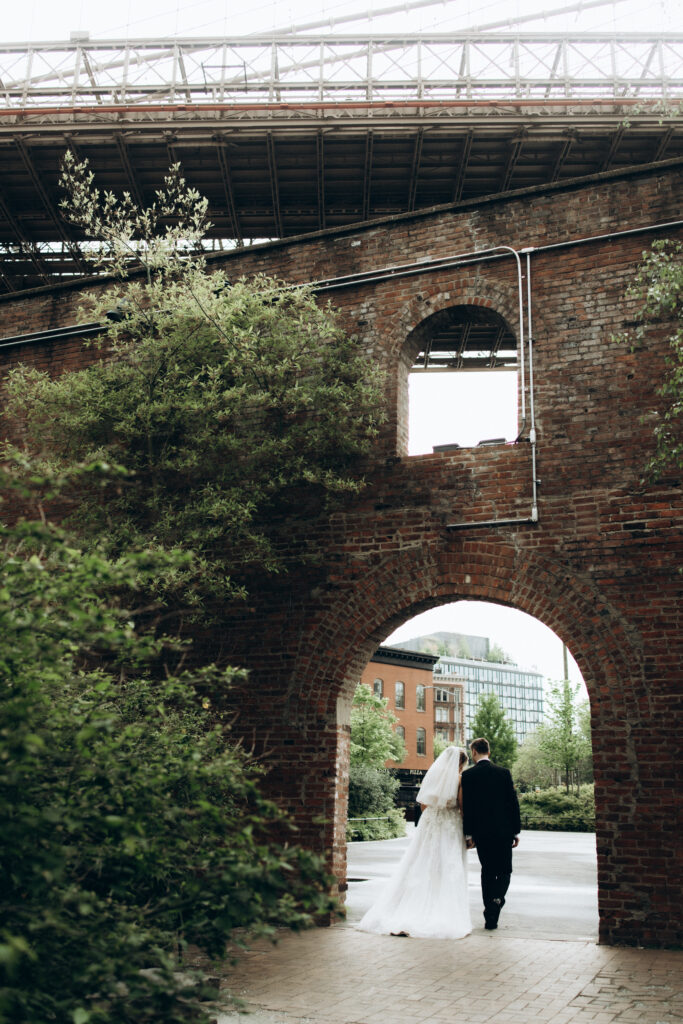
(301, 131)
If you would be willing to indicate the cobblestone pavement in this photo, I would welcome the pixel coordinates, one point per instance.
(338, 975)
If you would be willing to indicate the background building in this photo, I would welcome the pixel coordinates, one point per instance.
(520, 691)
(423, 710)
(478, 668)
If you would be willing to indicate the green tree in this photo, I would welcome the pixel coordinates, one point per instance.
(530, 769)
(562, 742)
(658, 291)
(373, 740)
(233, 407)
(497, 654)
(131, 824)
(585, 768)
(491, 723)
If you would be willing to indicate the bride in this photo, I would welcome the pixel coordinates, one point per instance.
(427, 896)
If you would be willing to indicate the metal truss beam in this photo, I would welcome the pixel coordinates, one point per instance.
(226, 177)
(415, 168)
(367, 174)
(462, 166)
(47, 203)
(129, 172)
(320, 174)
(513, 157)
(318, 68)
(563, 153)
(615, 142)
(274, 186)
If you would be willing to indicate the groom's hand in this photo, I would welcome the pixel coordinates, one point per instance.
(469, 843)
(515, 842)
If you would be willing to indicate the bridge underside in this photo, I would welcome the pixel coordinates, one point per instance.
(282, 170)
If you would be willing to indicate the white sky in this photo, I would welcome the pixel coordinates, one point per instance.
(466, 414)
(35, 20)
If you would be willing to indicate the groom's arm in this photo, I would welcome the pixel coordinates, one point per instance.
(515, 816)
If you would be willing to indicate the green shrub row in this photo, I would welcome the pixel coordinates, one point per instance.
(555, 810)
(389, 826)
(371, 804)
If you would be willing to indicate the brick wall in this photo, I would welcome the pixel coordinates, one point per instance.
(600, 567)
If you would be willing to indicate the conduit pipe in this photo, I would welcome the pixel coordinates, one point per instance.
(533, 518)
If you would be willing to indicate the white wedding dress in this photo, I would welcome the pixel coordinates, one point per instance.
(427, 897)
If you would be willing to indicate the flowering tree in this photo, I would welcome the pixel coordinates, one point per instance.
(231, 408)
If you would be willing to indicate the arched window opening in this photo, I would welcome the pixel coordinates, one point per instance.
(462, 381)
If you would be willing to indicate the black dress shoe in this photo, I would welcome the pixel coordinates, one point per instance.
(491, 926)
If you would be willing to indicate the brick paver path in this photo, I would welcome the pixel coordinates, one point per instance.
(342, 976)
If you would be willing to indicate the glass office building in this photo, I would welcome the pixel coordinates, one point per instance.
(520, 691)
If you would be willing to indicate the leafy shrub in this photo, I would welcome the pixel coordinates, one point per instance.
(131, 826)
(555, 810)
(389, 826)
(371, 796)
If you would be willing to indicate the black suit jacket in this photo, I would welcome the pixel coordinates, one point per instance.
(489, 802)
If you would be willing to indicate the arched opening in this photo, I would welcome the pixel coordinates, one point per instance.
(358, 619)
(462, 380)
(490, 652)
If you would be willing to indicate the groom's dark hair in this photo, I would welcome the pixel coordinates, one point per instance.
(481, 746)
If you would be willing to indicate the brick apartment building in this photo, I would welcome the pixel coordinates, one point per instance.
(424, 710)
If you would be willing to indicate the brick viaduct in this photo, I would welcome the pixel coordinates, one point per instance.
(600, 566)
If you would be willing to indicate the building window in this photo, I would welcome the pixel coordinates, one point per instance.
(378, 687)
(400, 695)
(441, 714)
(420, 697)
(400, 731)
(444, 349)
(422, 742)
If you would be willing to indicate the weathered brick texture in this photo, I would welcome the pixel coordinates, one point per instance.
(601, 567)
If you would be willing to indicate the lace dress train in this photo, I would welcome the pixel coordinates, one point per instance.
(427, 897)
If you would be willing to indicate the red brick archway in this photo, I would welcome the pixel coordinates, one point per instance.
(600, 567)
(595, 632)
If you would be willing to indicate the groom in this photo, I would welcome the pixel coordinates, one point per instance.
(491, 822)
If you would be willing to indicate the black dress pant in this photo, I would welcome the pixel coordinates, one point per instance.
(495, 857)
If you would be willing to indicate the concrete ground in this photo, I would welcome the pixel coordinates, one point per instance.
(542, 965)
(553, 892)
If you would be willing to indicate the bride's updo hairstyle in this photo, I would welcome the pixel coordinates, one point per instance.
(440, 785)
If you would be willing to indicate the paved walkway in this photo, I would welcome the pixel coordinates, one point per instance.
(341, 976)
(524, 973)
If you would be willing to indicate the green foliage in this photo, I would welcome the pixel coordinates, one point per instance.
(373, 740)
(555, 810)
(497, 654)
(390, 825)
(371, 796)
(491, 723)
(658, 290)
(233, 408)
(131, 824)
(440, 745)
(562, 743)
(530, 769)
